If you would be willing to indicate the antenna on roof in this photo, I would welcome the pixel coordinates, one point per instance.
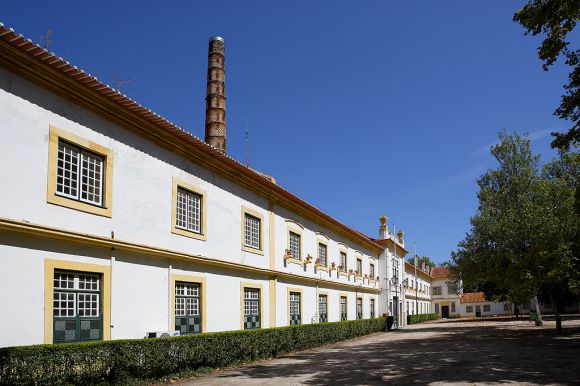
(246, 143)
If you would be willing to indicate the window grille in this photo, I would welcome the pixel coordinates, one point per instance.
(251, 308)
(295, 245)
(76, 307)
(343, 260)
(295, 317)
(188, 211)
(322, 254)
(359, 313)
(372, 306)
(79, 174)
(343, 308)
(322, 308)
(252, 234)
(187, 308)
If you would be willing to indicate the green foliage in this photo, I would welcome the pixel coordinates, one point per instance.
(123, 361)
(414, 319)
(556, 19)
(420, 260)
(524, 237)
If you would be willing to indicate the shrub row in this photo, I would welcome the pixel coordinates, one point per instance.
(122, 361)
(413, 319)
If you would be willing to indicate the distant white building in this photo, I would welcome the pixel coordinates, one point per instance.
(475, 304)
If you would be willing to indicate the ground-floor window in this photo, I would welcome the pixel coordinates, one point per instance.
(295, 317)
(187, 308)
(453, 307)
(359, 310)
(251, 308)
(76, 307)
(486, 308)
(343, 308)
(469, 309)
(372, 307)
(322, 308)
(436, 308)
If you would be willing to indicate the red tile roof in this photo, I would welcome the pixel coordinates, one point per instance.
(473, 297)
(440, 273)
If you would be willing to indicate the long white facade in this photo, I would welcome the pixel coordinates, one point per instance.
(126, 265)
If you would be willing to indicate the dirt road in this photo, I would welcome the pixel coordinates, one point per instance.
(444, 352)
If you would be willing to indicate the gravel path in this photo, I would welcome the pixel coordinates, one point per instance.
(469, 352)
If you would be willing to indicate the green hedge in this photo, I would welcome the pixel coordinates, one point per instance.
(413, 319)
(122, 361)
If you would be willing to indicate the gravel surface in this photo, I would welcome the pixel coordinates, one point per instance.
(465, 352)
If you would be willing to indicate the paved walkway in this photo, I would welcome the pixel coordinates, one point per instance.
(443, 352)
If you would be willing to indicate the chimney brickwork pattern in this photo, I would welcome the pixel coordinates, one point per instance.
(215, 101)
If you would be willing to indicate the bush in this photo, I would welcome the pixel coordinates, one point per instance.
(122, 361)
(413, 319)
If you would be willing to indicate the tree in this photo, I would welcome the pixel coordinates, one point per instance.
(420, 260)
(523, 241)
(556, 19)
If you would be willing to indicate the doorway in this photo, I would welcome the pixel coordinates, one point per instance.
(445, 311)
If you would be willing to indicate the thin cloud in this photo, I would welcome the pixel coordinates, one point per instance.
(534, 137)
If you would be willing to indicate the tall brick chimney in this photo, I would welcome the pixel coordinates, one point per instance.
(215, 100)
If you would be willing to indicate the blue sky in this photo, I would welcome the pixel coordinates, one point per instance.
(360, 108)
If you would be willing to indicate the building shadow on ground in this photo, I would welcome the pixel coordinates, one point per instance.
(470, 355)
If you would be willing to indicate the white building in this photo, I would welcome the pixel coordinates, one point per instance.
(475, 304)
(417, 290)
(115, 223)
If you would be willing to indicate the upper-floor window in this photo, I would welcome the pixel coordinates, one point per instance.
(343, 261)
(79, 173)
(371, 270)
(395, 265)
(188, 210)
(359, 266)
(436, 290)
(253, 229)
(294, 241)
(322, 254)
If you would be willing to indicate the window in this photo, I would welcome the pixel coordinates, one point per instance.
(79, 173)
(359, 266)
(453, 307)
(295, 247)
(76, 307)
(322, 254)
(486, 308)
(469, 309)
(436, 290)
(322, 308)
(372, 271)
(359, 310)
(187, 308)
(343, 308)
(342, 261)
(251, 308)
(295, 317)
(372, 308)
(395, 265)
(189, 210)
(436, 308)
(451, 288)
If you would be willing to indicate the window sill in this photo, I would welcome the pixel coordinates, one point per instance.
(294, 261)
(322, 268)
(79, 205)
(191, 235)
(252, 250)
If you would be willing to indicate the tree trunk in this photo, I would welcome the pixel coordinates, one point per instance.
(539, 321)
(556, 314)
